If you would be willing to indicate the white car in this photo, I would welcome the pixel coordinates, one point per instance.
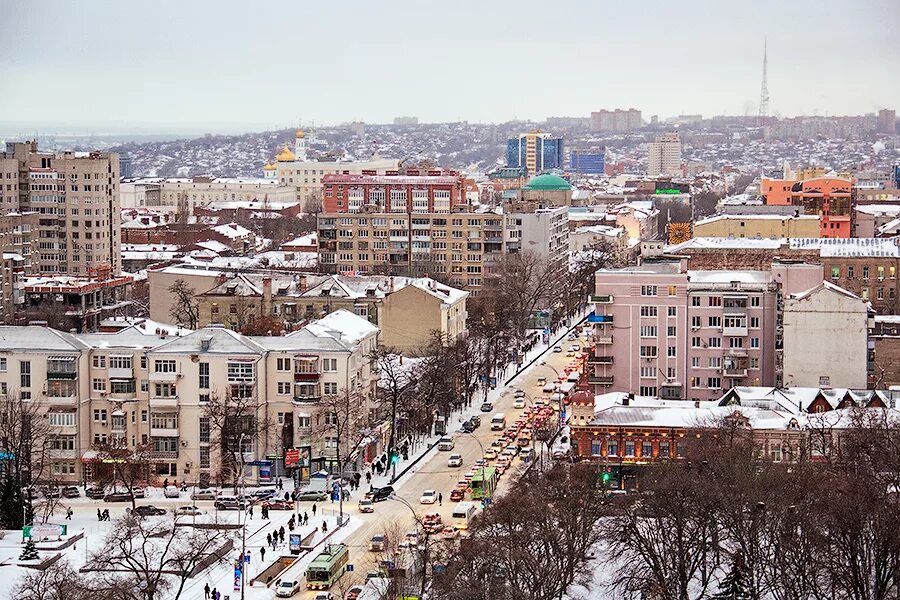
(324, 596)
(171, 492)
(287, 588)
(575, 348)
(188, 511)
(445, 444)
(455, 460)
(519, 403)
(557, 348)
(428, 497)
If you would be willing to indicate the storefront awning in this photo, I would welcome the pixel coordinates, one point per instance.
(89, 456)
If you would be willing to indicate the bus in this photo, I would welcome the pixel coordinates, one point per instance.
(462, 515)
(484, 483)
(327, 567)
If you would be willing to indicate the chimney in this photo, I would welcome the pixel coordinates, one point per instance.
(267, 296)
(204, 344)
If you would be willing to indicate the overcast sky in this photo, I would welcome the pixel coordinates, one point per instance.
(271, 64)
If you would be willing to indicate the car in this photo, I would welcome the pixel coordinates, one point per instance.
(51, 492)
(377, 543)
(467, 427)
(457, 495)
(264, 494)
(171, 491)
(469, 475)
(95, 493)
(499, 444)
(278, 505)
(148, 511)
(575, 348)
(541, 381)
(557, 348)
(354, 593)
(138, 492)
(462, 485)
(117, 497)
(479, 464)
(449, 532)
(428, 497)
(570, 354)
(373, 575)
(312, 496)
(287, 588)
(475, 420)
(70, 491)
(324, 596)
(187, 511)
(203, 495)
(519, 403)
(519, 394)
(229, 503)
(380, 494)
(490, 454)
(445, 444)
(501, 469)
(366, 506)
(455, 460)
(487, 407)
(504, 460)
(411, 538)
(526, 454)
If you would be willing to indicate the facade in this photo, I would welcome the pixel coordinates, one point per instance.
(185, 195)
(587, 163)
(664, 156)
(870, 218)
(415, 192)
(588, 236)
(887, 121)
(76, 195)
(826, 338)
(418, 310)
(758, 226)
(18, 245)
(131, 388)
(536, 151)
(81, 302)
(543, 231)
(886, 338)
(831, 199)
(618, 120)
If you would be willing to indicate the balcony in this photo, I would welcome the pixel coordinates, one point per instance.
(735, 372)
(307, 399)
(735, 352)
(607, 299)
(306, 375)
(168, 432)
(62, 400)
(164, 454)
(164, 402)
(592, 318)
(60, 374)
(600, 379)
(600, 360)
(605, 341)
(64, 429)
(164, 377)
(120, 373)
(735, 331)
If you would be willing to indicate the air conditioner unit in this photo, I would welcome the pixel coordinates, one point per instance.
(184, 443)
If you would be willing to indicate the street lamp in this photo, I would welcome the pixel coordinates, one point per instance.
(243, 563)
(424, 552)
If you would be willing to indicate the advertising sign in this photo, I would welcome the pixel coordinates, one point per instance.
(44, 532)
(294, 543)
(291, 457)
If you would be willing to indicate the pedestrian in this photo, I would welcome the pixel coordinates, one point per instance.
(165, 483)
(314, 509)
(291, 525)
(332, 497)
(206, 591)
(215, 594)
(286, 496)
(440, 499)
(69, 513)
(268, 539)
(324, 527)
(262, 554)
(368, 477)
(106, 514)
(281, 534)
(305, 518)
(99, 515)
(251, 511)
(266, 513)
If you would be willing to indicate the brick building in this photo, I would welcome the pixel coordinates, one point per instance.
(435, 191)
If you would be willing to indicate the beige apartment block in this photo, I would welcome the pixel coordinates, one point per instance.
(758, 226)
(132, 388)
(416, 312)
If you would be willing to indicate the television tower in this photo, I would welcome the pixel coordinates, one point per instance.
(764, 89)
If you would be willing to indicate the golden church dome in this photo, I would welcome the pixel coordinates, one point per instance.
(285, 155)
(269, 167)
(300, 134)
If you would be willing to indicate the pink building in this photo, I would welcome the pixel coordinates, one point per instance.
(663, 330)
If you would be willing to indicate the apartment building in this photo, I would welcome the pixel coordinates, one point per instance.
(618, 120)
(414, 192)
(542, 231)
(537, 151)
(173, 195)
(758, 226)
(661, 329)
(132, 388)
(76, 195)
(18, 244)
(664, 156)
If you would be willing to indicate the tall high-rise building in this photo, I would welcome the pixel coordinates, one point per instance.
(887, 121)
(536, 151)
(77, 197)
(618, 120)
(664, 155)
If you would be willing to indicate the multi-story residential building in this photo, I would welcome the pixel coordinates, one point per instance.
(870, 218)
(18, 244)
(184, 195)
(75, 303)
(887, 121)
(664, 155)
(618, 120)
(536, 151)
(131, 388)
(77, 197)
(886, 338)
(414, 192)
(826, 334)
(661, 329)
(758, 226)
(830, 198)
(294, 169)
(542, 231)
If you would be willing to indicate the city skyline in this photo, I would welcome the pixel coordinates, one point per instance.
(234, 69)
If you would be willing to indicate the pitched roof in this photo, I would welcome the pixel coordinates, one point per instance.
(221, 341)
(39, 338)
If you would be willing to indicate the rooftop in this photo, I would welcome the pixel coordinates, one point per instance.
(547, 182)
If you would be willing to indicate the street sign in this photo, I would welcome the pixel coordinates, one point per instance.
(349, 568)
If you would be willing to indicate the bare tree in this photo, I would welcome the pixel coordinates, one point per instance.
(395, 383)
(343, 420)
(118, 465)
(25, 441)
(185, 309)
(57, 582)
(233, 418)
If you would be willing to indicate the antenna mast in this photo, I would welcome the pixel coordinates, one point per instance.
(764, 89)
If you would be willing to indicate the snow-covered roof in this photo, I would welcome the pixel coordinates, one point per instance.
(221, 341)
(701, 277)
(214, 245)
(838, 247)
(232, 230)
(308, 239)
(762, 217)
(38, 338)
(352, 327)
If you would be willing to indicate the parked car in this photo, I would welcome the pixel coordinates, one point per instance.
(428, 497)
(187, 511)
(541, 381)
(71, 491)
(117, 497)
(487, 407)
(575, 348)
(264, 494)
(354, 593)
(455, 460)
(449, 532)
(278, 505)
(475, 420)
(312, 496)
(557, 348)
(203, 495)
(138, 492)
(490, 454)
(366, 506)
(50, 492)
(380, 494)
(287, 588)
(230, 503)
(171, 491)
(95, 493)
(324, 596)
(377, 543)
(30, 492)
(149, 511)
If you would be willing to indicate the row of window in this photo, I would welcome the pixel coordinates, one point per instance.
(663, 448)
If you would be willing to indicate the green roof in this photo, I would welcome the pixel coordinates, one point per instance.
(547, 182)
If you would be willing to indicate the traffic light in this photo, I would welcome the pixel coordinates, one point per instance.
(605, 477)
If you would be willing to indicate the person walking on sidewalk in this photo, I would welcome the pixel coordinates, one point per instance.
(69, 513)
(262, 554)
(206, 591)
(440, 499)
(314, 510)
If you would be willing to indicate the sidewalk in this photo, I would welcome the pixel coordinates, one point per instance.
(428, 446)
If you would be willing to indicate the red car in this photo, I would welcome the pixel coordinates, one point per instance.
(278, 505)
(457, 495)
(354, 592)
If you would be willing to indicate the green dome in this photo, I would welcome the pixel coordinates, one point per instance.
(547, 182)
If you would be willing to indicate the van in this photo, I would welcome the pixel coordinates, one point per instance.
(462, 515)
(498, 422)
(445, 444)
(549, 388)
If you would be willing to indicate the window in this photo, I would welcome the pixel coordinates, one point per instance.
(849, 271)
(203, 370)
(754, 342)
(61, 419)
(664, 449)
(835, 272)
(99, 415)
(647, 390)
(25, 373)
(99, 361)
(865, 272)
(164, 366)
(695, 361)
(203, 398)
(673, 290)
(596, 448)
(144, 362)
(240, 371)
(2, 365)
(646, 448)
(648, 290)
(754, 301)
(283, 364)
(670, 372)
(164, 390)
(679, 449)
(143, 416)
(648, 331)
(715, 321)
(695, 322)
(164, 421)
(648, 372)
(880, 273)
(648, 351)
(713, 382)
(330, 388)
(629, 447)
(648, 311)
(715, 342)
(671, 331)
(612, 448)
(284, 388)
(329, 365)
(672, 311)
(204, 457)
(303, 422)
(670, 351)
(754, 322)
(715, 362)
(119, 362)
(98, 385)
(715, 301)
(735, 342)
(696, 342)
(754, 363)
(695, 301)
